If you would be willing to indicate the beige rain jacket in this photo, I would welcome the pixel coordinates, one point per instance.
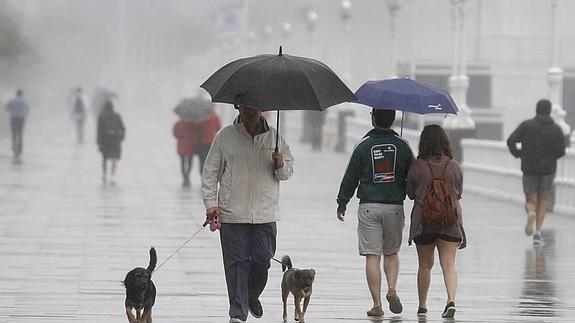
(248, 190)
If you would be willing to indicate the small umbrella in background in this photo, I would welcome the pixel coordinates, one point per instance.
(278, 82)
(405, 95)
(194, 108)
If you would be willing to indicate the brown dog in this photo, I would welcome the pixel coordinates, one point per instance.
(141, 291)
(299, 282)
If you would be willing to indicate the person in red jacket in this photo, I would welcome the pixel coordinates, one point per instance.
(185, 135)
(194, 132)
(207, 128)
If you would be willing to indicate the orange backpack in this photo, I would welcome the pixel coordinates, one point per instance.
(439, 207)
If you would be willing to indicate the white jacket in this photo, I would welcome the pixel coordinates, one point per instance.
(243, 167)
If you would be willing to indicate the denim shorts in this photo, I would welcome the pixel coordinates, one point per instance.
(537, 183)
(379, 228)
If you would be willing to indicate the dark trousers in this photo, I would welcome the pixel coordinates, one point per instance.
(17, 127)
(186, 166)
(247, 250)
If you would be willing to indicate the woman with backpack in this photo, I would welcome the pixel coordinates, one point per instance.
(111, 132)
(435, 183)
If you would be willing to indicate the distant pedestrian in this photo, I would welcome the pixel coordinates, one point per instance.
(185, 135)
(194, 133)
(18, 110)
(240, 185)
(316, 123)
(110, 135)
(379, 164)
(435, 160)
(542, 144)
(78, 112)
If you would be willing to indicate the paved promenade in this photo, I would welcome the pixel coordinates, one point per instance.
(67, 240)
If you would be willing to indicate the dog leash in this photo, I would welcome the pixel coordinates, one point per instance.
(183, 244)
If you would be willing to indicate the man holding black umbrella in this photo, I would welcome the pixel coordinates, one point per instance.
(379, 165)
(240, 187)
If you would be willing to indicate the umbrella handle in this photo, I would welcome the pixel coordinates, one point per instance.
(401, 133)
(277, 130)
(276, 149)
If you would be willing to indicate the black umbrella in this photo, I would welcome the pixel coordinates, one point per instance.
(278, 82)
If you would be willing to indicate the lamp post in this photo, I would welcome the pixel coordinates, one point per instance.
(311, 18)
(251, 41)
(393, 6)
(311, 24)
(268, 36)
(286, 33)
(461, 125)
(345, 14)
(555, 73)
(341, 139)
(459, 81)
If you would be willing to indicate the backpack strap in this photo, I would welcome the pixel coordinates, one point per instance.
(430, 170)
(443, 171)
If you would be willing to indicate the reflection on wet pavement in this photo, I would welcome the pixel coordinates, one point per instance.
(538, 291)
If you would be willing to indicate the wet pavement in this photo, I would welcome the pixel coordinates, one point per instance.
(67, 240)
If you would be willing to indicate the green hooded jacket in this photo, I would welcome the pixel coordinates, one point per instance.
(378, 169)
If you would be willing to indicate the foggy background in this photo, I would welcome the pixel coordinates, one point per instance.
(154, 52)
(67, 239)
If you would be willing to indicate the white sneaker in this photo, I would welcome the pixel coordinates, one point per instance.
(538, 239)
(236, 320)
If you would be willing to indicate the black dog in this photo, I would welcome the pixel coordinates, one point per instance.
(141, 291)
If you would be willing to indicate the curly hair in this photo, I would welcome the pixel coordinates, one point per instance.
(434, 142)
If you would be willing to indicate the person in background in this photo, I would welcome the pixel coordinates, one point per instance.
(185, 135)
(110, 134)
(435, 157)
(18, 109)
(79, 112)
(240, 187)
(316, 122)
(542, 144)
(194, 132)
(378, 170)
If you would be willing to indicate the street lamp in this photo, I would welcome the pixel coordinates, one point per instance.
(251, 39)
(286, 33)
(393, 6)
(311, 18)
(461, 125)
(555, 73)
(459, 81)
(268, 36)
(345, 14)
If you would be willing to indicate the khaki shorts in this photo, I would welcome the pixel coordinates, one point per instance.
(379, 228)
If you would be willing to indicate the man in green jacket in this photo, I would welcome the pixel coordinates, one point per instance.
(378, 169)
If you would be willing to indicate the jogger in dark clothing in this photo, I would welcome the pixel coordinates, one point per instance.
(542, 144)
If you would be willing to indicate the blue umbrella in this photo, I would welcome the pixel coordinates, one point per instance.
(405, 95)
